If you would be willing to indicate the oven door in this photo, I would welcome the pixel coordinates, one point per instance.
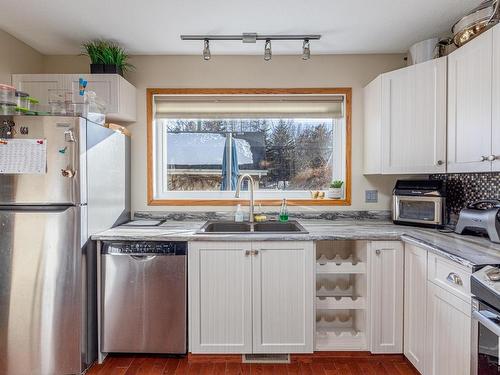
(418, 209)
(485, 340)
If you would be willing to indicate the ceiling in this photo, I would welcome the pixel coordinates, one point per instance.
(153, 26)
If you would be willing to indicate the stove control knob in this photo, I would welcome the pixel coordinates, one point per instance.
(494, 274)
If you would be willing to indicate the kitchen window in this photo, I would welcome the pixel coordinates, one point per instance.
(292, 142)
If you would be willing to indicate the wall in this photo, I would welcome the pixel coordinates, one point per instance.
(250, 72)
(17, 57)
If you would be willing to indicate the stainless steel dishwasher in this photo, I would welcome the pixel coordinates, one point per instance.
(144, 297)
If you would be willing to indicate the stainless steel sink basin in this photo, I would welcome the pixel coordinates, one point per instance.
(226, 227)
(276, 226)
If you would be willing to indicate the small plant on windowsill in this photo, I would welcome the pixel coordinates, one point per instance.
(335, 190)
(106, 57)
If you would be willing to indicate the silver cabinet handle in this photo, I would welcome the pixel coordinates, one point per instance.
(377, 251)
(484, 158)
(454, 279)
(440, 162)
(492, 158)
(251, 252)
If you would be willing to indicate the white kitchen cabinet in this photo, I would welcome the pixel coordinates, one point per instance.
(220, 297)
(405, 120)
(386, 260)
(415, 306)
(470, 105)
(283, 297)
(372, 155)
(495, 133)
(116, 92)
(251, 297)
(448, 332)
(398, 117)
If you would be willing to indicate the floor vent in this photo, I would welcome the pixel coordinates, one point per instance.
(266, 358)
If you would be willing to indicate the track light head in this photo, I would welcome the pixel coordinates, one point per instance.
(306, 50)
(267, 50)
(206, 50)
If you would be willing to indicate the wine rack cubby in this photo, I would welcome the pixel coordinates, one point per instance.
(341, 295)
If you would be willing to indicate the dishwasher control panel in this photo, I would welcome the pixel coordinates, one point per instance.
(145, 247)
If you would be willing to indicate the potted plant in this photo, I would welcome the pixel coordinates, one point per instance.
(335, 190)
(106, 57)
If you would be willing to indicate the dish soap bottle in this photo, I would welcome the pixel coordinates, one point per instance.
(283, 212)
(238, 215)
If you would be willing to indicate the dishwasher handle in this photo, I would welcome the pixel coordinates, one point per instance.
(142, 258)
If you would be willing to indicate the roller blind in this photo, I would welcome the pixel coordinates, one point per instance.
(244, 106)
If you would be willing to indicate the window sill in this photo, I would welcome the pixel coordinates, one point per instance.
(263, 202)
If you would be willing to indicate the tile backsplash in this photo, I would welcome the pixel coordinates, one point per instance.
(465, 188)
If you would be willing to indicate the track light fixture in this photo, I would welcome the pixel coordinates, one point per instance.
(253, 38)
(267, 50)
(306, 50)
(206, 50)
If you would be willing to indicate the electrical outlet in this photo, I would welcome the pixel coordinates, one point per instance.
(371, 196)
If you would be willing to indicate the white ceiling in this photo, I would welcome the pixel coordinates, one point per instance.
(154, 26)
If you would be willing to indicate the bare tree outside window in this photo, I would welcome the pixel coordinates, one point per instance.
(280, 153)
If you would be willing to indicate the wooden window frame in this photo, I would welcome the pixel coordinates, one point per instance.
(346, 91)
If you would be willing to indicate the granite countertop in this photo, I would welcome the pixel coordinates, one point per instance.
(466, 250)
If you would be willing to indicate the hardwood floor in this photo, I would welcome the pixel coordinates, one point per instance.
(325, 363)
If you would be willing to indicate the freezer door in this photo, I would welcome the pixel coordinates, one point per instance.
(40, 292)
(64, 180)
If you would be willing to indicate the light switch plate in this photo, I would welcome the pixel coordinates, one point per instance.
(371, 196)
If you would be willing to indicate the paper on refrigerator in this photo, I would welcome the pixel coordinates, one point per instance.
(23, 156)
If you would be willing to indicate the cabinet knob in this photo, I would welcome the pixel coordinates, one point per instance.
(377, 251)
(484, 158)
(256, 252)
(454, 279)
(247, 253)
(492, 158)
(440, 162)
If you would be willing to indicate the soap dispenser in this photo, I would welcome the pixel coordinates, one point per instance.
(238, 215)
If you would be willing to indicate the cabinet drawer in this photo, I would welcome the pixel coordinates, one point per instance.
(450, 276)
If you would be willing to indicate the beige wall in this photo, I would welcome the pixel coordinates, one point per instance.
(250, 71)
(17, 57)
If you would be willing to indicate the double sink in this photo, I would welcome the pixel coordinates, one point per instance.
(231, 227)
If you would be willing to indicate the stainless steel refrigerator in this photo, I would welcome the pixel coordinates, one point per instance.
(47, 262)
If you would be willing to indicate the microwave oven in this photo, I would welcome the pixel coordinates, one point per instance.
(419, 203)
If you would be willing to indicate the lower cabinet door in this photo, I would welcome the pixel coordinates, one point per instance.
(448, 333)
(415, 306)
(220, 297)
(283, 297)
(386, 295)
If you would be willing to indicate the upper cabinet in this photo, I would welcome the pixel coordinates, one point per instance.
(116, 92)
(495, 133)
(470, 106)
(405, 120)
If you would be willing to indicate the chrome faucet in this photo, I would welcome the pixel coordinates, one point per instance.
(250, 184)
